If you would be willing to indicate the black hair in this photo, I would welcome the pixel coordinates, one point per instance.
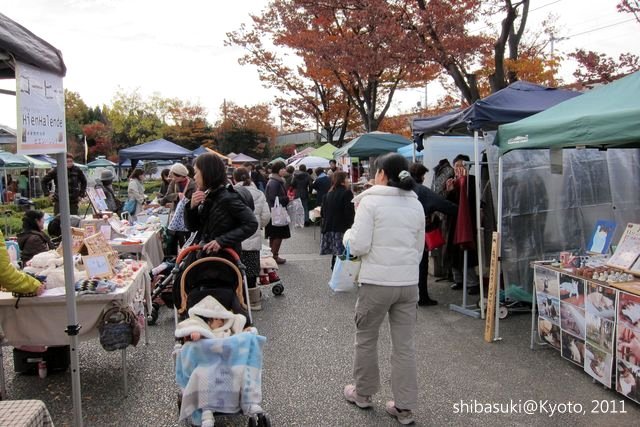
(463, 157)
(242, 175)
(30, 220)
(291, 169)
(212, 170)
(302, 168)
(137, 173)
(275, 168)
(165, 174)
(192, 171)
(417, 171)
(332, 161)
(396, 167)
(338, 179)
(319, 170)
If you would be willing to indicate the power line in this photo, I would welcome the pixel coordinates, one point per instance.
(531, 10)
(599, 28)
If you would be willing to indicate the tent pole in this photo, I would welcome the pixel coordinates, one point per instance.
(73, 327)
(496, 335)
(479, 246)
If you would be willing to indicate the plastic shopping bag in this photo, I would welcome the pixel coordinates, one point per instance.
(345, 272)
(279, 215)
(296, 212)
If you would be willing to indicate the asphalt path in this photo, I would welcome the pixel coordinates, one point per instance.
(308, 359)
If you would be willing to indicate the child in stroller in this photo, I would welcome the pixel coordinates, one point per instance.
(219, 370)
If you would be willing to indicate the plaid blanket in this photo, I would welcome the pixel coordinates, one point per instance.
(221, 375)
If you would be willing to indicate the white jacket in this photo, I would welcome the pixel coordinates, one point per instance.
(388, 236)
(263, 215)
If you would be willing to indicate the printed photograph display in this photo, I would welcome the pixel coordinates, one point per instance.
(600, 332)
(629, 310)
(572, 290)
(601, 301)
(628, 380)
(628, 345)
(572, 319)
(572, 348)
(549, 332)
(547, 281)
(598, 363)
(549, 307)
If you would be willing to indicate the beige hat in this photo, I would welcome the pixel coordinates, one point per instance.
(179, 169)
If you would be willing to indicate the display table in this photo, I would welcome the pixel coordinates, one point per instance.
(24, 413)
(42, 320)
(580, 316)
(147, 245)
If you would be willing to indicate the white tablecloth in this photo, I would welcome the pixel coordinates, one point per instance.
(43, 320)
(24, 413)
(150, 248)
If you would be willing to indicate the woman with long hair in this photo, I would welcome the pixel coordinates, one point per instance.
(337, 216)
(275, 189)
(32, 240)
(251, 247)
(135, 190)
(216, 211)
(164, 182)
(388, 236)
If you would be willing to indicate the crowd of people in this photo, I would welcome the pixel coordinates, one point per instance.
(384, 226)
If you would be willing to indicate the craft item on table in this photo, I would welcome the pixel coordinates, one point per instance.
(97, 265)
(98, 200)
(628, 249)
(77, 239)
(106, 231)
(118, 226)
(89, 230)
(93, 286)
(98, 245)
(601, 237)
(50, 265)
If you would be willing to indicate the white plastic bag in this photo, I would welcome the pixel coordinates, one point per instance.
(279, 215)
(345, 272)
(296, 212)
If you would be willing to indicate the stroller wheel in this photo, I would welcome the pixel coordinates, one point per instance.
(263, 420)
(252, 422)
(503, 312)
(152, 318)
(277, 289)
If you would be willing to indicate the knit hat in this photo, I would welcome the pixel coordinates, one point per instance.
(179, 169)
(106, 175)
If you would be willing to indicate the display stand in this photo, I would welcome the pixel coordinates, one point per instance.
(467, 310)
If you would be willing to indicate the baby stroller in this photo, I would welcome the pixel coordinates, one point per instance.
(220, 376)
(162, 277)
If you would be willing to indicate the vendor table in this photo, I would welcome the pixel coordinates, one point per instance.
(591, 322)
(24, 413)
(42, 320)
(147, 245)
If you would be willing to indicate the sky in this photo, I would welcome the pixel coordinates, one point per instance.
(176, 48)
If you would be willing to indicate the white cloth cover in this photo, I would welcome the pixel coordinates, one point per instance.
(210, 308)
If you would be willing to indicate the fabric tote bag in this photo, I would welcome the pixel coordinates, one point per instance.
(279, 215)
(177, 221)
(345, 272)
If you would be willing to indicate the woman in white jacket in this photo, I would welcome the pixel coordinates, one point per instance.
(135, 191)
(388, 236)
(251, 247)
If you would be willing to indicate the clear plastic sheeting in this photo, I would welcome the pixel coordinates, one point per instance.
(545, 213)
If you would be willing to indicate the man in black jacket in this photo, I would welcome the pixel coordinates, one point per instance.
(431, 202)
(302, 183)
(77, 186)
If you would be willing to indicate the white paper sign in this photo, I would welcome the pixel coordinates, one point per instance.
(41, 121)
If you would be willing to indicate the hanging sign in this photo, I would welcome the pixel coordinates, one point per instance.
(41, 121)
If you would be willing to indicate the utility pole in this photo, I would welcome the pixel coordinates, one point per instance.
(552, 41)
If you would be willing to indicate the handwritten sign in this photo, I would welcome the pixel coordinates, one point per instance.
(97, 265)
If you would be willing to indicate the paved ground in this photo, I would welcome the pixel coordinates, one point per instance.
(308, 360)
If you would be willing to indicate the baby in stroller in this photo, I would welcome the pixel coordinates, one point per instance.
(219, 366)
(210, 319)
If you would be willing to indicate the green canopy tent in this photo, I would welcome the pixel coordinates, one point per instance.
(372, 144)
(101, 162)
(606, 117)
(326, 151)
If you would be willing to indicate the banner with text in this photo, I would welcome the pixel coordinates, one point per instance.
(41, 122)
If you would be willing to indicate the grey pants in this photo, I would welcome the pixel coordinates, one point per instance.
(374, 302)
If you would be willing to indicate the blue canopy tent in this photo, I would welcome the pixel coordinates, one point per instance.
(160, 149)
(200, 150)
(515, 102)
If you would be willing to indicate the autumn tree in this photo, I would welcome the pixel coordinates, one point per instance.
(99, 141)
(132, 121)
(599, 67)
(306, 92)
(246, 130)
(187, 125)
(354, 45)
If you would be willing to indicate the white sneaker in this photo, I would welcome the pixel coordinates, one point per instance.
(404, 417)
